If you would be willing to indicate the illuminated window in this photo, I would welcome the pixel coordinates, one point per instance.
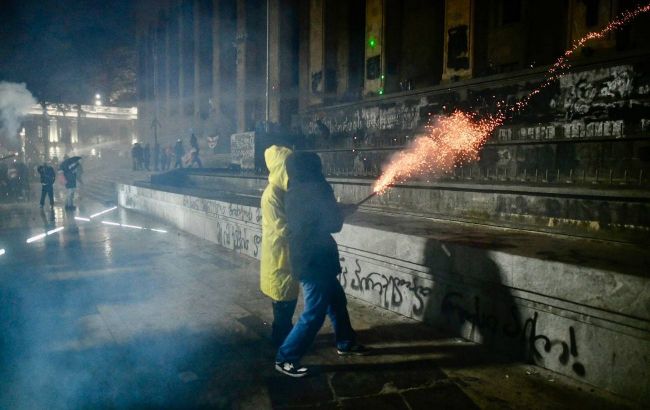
(54, 131)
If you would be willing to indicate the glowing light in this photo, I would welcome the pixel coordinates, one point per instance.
(110, 223)
(380, 91)
(131, 226)
(372, 42)
(36, 238)
(2, 252)
(449, 140)
(79, 218)
(103, 212)
(55, 230)
(158, 230)
(98, 96)
(457, 138)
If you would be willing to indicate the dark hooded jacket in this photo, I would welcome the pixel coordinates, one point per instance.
(312, 216)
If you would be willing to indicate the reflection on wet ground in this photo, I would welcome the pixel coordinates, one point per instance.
(97, 315)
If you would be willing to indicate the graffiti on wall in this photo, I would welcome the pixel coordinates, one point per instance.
(394, 292)
(538, 346)
(224, 209)
(239, 238)
(410, 295)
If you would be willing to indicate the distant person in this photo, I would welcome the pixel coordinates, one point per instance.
(194, 152)
(276, 281)
(163, 159)
(312, 216)
(146, 156)
(135, 154)
(48, 176)
(179, 151)
(70, 175)
(156, 157)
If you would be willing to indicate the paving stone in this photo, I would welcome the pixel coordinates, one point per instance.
(382, 402)
(444, 396)
(369, 379)
(287, 391)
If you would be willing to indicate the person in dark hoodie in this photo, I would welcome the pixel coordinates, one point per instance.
(312, 216)
(48, 176)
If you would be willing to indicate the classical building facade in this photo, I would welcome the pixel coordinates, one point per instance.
(358, 79)
(53, 130)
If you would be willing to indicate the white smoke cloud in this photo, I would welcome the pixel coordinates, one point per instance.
(15, 102)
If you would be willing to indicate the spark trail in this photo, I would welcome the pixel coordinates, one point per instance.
(459, 137)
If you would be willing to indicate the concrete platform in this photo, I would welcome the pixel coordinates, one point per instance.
(577, 307)
(107, 316)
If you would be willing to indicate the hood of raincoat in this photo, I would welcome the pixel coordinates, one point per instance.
(275, 158)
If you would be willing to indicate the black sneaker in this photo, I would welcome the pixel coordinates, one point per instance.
(291, 370)
(355, 350)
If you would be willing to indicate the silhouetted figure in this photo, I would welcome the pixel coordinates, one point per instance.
(48, 176)
(179, 151)
(146, 156)
(136, 154)
(194, 152)
(70, 174)
(312, 216)
(276, 280)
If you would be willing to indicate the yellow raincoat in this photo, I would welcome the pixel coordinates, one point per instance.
(275, 275)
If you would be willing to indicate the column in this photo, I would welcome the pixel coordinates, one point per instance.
(375, 61)
(196, 93)
(241, 39)
(458, 40)
(215, 105)
(316, 52)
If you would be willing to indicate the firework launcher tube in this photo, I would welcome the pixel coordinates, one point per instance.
(366, 199)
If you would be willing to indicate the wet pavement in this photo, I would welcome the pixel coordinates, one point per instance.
(118, 315)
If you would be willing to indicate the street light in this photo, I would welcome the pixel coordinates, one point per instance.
(98, 99)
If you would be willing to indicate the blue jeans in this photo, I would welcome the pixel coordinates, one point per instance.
(282, 320)
(322, 297)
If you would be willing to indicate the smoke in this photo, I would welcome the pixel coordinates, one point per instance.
(15, 102)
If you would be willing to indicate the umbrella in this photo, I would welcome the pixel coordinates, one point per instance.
(70, 164)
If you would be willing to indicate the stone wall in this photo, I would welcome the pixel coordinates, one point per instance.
(577, 319)
(593, 121)
(609, 214)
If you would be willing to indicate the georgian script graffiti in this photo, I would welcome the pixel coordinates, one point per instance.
(217, 208)
(393, 290)
(238, 238)
(453, 307)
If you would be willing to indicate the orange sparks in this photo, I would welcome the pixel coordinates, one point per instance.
(450, 140)
(459, 137)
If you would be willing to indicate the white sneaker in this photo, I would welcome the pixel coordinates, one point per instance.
(291, 370)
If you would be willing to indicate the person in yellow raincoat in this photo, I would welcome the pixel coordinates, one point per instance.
(276, 281)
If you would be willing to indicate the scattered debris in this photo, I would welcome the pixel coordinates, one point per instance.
(532, 372)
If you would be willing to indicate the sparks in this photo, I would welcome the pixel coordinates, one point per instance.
(458, 138)
(450, 140)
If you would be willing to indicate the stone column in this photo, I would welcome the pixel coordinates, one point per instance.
(215, 104)
(241, 40)
(168, 56)
(458, 40)
(582, 20)
(196, 94)
(181, 67)
(316, 52)
(275, 46)
(304, 80)
(375, 61)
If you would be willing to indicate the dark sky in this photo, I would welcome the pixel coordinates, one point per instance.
(63, 49)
